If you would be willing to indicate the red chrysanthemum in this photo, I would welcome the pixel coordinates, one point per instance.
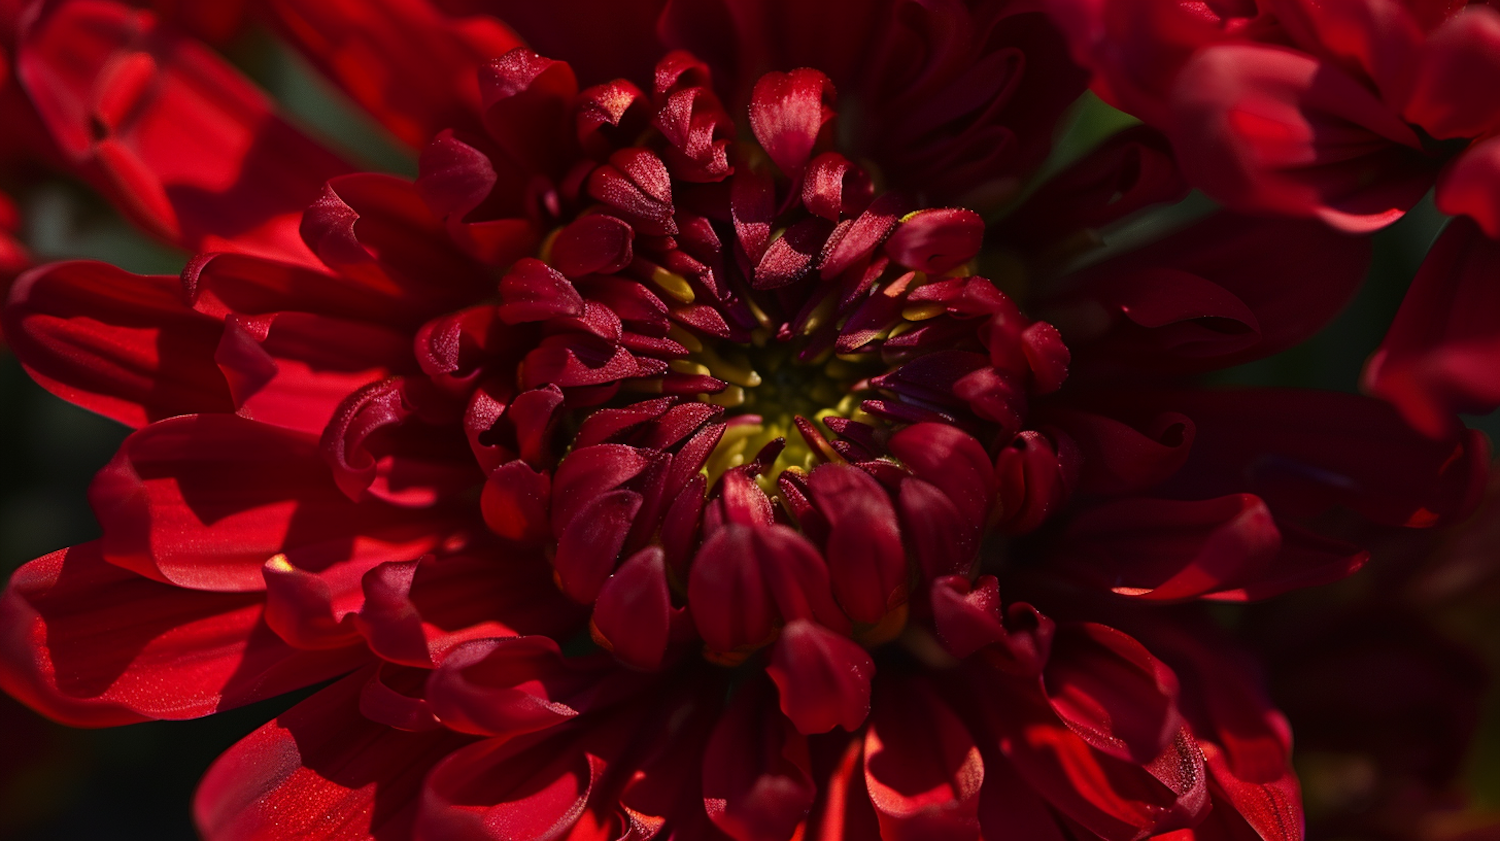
(1349, 111)
(652, 465)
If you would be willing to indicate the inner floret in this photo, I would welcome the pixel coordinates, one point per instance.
(741, 399)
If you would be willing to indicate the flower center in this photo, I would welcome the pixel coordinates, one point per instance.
(773, 390)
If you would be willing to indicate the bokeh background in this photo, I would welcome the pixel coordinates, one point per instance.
(1393, 707)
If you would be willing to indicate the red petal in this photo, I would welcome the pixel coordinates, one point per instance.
(787, 113)
(594, 244)
(377, 230)
(744, 577)
(507, 687)
(952, 460)
(970, 620)
(944, 542)
(1468, 186)
(1442, 354)
(1170, 549)
(1115, 799)
(515, 502)
(634, 612)
(589, 548)
(312, 590)
(756, 783)
(1119, 458)
(203, 501)
(934, 241)
(1110, 691)
(415, 612)
(534, 291)
(1264, 128)
(1439, 95)
(1246, 741)
(824, 677)
(922, 767)
(1134, 168)
(404, 61)
(92, 644)
(179, 139)
(1305, 452)
(511, 789)
(866, 560)
(320, 770)
(119, 344)
(1258, 286)
(1037, 473)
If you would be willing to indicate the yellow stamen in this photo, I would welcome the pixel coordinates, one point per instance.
(673, 284)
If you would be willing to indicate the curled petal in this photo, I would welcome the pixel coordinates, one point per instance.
(787, 114)
(1265, 128)
(756, 771)
(1439, 357)
(507, 687)
(502, 789)
(1037, 473)
(1112, 692)
(922, 767)
(969, 619)
(204, 501)
(633, 616)
(866, 560)
(934, 241)
(823, 677)
(181, 142)
(416, 612)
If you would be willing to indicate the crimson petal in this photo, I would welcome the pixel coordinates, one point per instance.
(92, 644)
